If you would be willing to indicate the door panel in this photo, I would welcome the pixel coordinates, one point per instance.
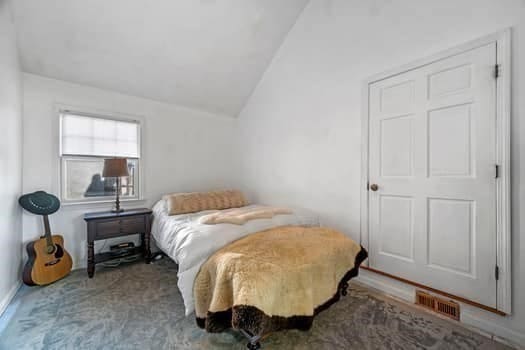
(450, 80)
(432, 143)
(443, 162)
(396, 227)
(451, 220)
(397, 156)
(396, 98)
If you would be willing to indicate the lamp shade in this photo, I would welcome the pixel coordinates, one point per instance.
(115, 167)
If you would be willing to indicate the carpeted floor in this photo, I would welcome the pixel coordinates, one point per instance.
(139, 307)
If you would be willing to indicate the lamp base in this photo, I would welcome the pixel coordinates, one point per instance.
(117, 208)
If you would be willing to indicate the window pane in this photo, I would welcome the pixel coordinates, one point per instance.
(90, 136)
(82, 180)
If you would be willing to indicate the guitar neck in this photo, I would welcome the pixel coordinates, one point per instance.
(47, 228)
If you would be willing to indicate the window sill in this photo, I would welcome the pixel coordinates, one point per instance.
(102, 203)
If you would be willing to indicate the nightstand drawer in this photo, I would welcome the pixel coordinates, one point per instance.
(132, 225)
(120, 226)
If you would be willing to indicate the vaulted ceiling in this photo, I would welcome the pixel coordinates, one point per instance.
(204, 54)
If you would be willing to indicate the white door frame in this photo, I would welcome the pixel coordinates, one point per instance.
(503, 110)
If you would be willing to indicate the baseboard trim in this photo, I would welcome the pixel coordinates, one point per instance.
(385, 287)
(470, 317)
(499, 333)
(10, 295)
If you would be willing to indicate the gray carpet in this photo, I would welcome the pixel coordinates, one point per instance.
(138, 306)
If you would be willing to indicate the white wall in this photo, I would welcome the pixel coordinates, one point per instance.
(183, 150)
(301, 131)
(10, 159)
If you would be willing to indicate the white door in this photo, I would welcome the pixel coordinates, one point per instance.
(432, 155)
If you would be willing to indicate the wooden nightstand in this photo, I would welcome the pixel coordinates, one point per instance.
(104, 225)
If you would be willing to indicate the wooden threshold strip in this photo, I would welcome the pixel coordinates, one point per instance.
(437, 291)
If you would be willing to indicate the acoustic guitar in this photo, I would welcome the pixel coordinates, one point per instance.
(48, 260)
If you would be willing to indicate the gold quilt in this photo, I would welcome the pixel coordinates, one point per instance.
(275, 279)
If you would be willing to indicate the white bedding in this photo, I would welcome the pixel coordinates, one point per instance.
(189, 243)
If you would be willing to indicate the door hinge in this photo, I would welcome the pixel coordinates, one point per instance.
(496, 272)
(497, 71)
(496, 175)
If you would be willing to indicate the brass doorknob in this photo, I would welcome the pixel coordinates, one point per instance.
(374, 187)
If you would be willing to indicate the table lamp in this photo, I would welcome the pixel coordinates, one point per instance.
(117, 168)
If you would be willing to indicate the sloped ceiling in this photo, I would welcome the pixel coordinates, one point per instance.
(204, 54)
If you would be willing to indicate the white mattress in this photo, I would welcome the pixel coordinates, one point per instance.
(189, 243)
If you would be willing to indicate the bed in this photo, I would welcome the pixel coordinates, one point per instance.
(189, 242)
(254, 268)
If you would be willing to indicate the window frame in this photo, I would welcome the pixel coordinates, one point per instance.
(62, 159)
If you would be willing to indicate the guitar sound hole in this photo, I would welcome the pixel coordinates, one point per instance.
(59, 251)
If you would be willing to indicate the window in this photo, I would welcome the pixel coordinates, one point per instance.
(85, 141)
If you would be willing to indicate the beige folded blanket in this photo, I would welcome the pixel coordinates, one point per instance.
(275, 279)
(240, 216)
